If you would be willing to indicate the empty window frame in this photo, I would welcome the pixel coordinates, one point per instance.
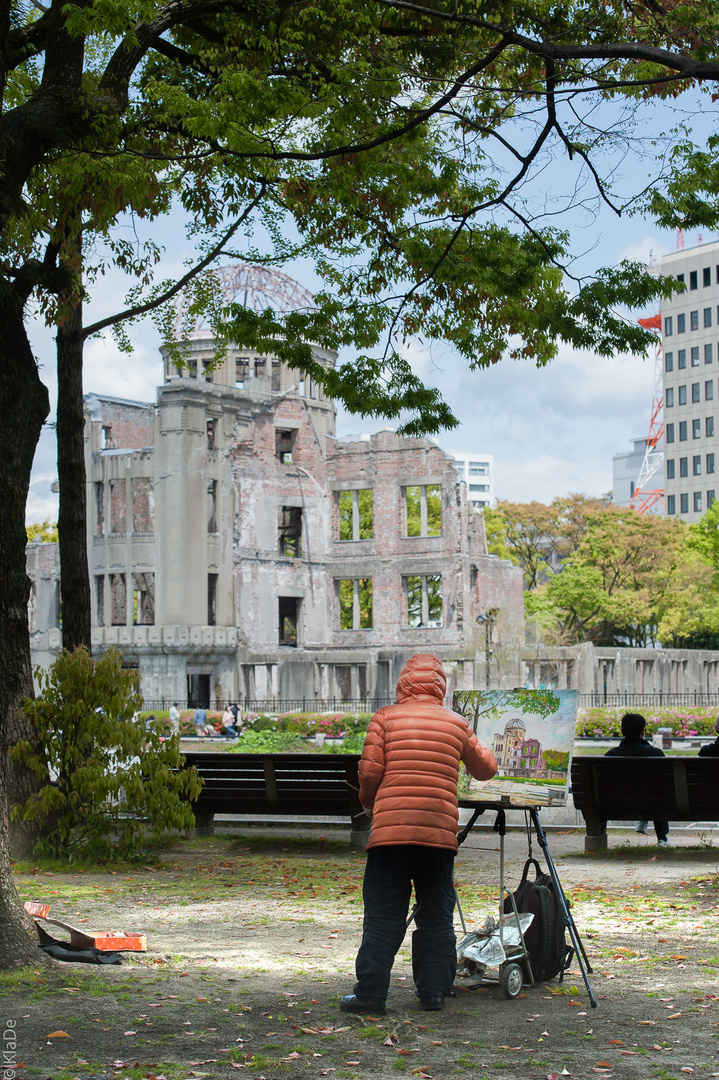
(285, 445)
(211, 433)
(290, 531)
(208, 370)
(424, 600)
(143, 505)
(212, 599)
(242, 372)
(99, 508)
(355, 514)
(355, 603)
(100, 599)
(260, 367)
(143, 599)
(118, 596)
(288, 610)
(212, 506)
(118, 506)
(276, 376)
(423, 506)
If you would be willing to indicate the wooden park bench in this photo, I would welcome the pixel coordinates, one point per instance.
(643, 789)
(279, 784)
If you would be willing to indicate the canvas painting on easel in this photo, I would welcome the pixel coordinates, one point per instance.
(531, 734)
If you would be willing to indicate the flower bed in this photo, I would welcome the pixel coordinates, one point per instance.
(294, 725)
(605, 722)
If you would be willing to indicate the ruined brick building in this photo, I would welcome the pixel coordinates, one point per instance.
(240, 551)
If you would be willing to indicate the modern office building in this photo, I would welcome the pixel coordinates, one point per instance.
(690, 340)
(477, 471)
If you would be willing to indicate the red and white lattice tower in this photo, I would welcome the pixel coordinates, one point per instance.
(647, 494)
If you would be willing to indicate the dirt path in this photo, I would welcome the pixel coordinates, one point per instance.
(252, 939)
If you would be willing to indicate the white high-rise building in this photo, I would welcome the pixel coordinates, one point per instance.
(477, 471)
(690, 339)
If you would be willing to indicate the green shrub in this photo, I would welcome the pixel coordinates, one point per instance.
(116, 787)
(267, 742)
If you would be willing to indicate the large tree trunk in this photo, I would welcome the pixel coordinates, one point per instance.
(23, 406)
(74, 571)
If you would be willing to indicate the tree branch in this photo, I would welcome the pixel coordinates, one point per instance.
(151, 305)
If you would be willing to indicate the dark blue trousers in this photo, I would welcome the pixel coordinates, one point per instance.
(388, 879)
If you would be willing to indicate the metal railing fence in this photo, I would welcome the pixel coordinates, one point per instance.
(627, 698)
(277, 705)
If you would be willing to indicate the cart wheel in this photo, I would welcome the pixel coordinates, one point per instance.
(511, 980)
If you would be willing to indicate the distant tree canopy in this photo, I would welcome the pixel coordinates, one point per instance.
(44, 531)
(601, 573)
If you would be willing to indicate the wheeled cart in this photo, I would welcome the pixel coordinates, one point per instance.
(501, 949)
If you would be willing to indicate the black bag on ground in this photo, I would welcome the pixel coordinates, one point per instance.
(545, 939)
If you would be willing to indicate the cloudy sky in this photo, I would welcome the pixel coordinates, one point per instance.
(551, 431)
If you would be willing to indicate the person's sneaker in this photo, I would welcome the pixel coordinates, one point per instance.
(664, 843)
(642, 827)
(352, 1004)
(432, 1002)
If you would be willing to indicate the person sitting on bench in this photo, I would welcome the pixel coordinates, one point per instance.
(711, 749)
(634, 745)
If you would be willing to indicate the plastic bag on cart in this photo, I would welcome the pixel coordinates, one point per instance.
(483, 949)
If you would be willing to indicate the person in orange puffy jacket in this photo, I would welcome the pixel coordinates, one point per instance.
(408, 784)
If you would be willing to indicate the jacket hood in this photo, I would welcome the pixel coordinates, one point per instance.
(422, 676)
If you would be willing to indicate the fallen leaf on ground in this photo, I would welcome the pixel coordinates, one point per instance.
(58, 1035)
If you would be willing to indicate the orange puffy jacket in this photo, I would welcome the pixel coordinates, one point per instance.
(410, 761)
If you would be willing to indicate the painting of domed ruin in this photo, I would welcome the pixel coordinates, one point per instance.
(531, 734)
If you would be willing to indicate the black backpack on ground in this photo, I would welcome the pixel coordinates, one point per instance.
(545, 939)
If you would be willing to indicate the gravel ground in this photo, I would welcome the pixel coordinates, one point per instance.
(252, 938)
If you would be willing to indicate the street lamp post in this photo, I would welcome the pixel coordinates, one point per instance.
(487, 620)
